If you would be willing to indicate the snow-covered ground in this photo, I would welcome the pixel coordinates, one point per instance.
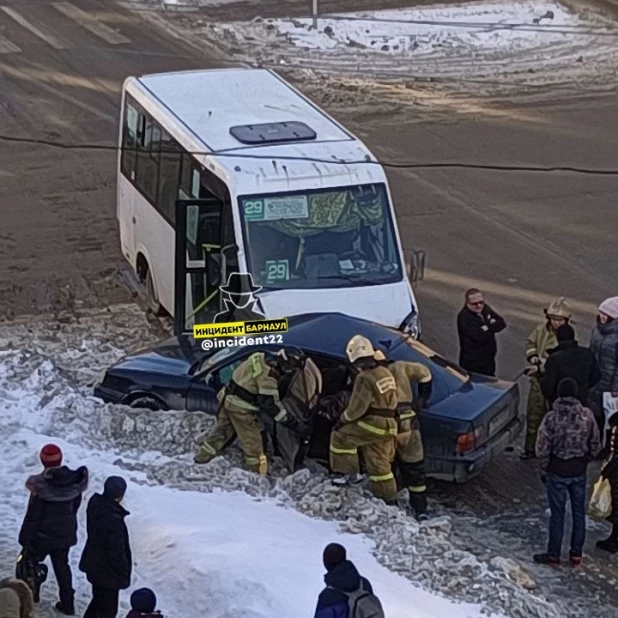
(476, 48)
(217, 536)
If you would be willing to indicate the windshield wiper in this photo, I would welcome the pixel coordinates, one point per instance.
(355, 279)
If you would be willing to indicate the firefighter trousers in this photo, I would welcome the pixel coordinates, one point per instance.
(233, 423)
(411, 463)
(375, 437)
(535, 412)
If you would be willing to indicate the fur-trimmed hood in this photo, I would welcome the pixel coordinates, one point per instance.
(26, 602)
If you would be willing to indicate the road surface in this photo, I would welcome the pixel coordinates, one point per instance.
(524, 238)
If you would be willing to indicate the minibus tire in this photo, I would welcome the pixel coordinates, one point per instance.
(151, 296)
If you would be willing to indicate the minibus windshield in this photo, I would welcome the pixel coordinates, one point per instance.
(335, 237)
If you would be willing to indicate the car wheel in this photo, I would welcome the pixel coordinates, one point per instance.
(148, 402)
(151, 296)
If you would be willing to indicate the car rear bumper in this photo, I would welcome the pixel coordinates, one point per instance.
(107, 395)
(466, 467)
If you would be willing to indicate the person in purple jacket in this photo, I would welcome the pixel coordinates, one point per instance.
(347, 594)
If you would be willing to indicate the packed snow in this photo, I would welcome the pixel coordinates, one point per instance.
(477, 47)
(241, 545)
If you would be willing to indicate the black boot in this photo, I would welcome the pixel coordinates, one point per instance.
(418, 502)
(66, 610)
(610, 544)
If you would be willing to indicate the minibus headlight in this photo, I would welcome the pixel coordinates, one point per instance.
(411, 325)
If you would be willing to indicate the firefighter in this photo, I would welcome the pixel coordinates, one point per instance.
(409, 454)
(368, 423)
(541, 340)
(253, 391)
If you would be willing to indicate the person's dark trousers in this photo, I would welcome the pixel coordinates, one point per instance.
(558, 488)
(104, 603)
(64, 577)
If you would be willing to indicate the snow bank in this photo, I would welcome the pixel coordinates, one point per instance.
(469, 47)
(196, 546)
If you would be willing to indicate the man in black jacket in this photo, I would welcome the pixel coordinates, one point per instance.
(50, 524)
(569, 360)
(477, 325)
(107, 559)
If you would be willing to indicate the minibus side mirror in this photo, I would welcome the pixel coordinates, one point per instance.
(415, 265)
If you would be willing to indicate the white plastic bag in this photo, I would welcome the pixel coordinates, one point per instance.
(600, 505)
(610, 407)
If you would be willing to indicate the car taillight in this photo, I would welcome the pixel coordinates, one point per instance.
(467, 442)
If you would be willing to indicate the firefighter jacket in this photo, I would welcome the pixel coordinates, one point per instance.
(405, 373)
(540, 341)
(254, 387)
(304, 388)
(373, 404)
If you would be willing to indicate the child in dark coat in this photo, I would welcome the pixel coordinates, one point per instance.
(143, 604)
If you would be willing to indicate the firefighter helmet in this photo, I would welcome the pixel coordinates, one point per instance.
(359, 347)
(559, 308)
(379, 356)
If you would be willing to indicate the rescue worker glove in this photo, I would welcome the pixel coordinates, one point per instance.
(424, 394)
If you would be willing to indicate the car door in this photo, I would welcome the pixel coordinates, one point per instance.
(204, 386)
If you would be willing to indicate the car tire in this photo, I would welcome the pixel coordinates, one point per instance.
(147, 402)
(151, 296)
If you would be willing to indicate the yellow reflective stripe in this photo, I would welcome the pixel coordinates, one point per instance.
(418, 489)
(269, 392)
(345, 417)
(237, 402)
(382, 478)
(403, 417)
(377, 430)
(343, 451)
(207, 448)
(282, 414)
(252, 460)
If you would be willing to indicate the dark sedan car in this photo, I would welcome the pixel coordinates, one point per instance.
(469, 419)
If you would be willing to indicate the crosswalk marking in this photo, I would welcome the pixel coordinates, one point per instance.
(90, 23)
(6, 47)
(22, 21)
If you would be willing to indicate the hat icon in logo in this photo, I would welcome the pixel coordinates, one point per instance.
(239, 284)
(240, 306)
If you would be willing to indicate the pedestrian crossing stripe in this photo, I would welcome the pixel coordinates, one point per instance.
(6, 47)
(89, 22)
(24, 23)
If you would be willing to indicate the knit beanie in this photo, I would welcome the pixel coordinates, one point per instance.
(115, 487)
(567, 387)
(565, 333)
(51, 456)
(610, 307)
(334, 555)
(144, 601)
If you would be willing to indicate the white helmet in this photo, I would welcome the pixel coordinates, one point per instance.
(379, 355)
(359, 347)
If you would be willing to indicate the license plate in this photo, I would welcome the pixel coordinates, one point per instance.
(498, 421)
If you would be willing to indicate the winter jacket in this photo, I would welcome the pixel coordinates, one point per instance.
(477, 339)
(570, 360)
(106, 559)
(604, 346)
(610, 467)
(9, 604)
(51, 518)
(21, 588)
(333, 600)
(540, 341)
(568, 439)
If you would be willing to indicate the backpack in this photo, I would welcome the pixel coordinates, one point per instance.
(364, 604)
(29, 570)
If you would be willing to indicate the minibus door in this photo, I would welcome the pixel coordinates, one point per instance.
(200, 263)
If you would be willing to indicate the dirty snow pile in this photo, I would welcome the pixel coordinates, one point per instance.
(241, 545)
(515, 43)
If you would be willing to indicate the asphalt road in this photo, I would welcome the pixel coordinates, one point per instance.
(524, 238)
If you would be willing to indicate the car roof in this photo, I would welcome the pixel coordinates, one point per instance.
(329, 333)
